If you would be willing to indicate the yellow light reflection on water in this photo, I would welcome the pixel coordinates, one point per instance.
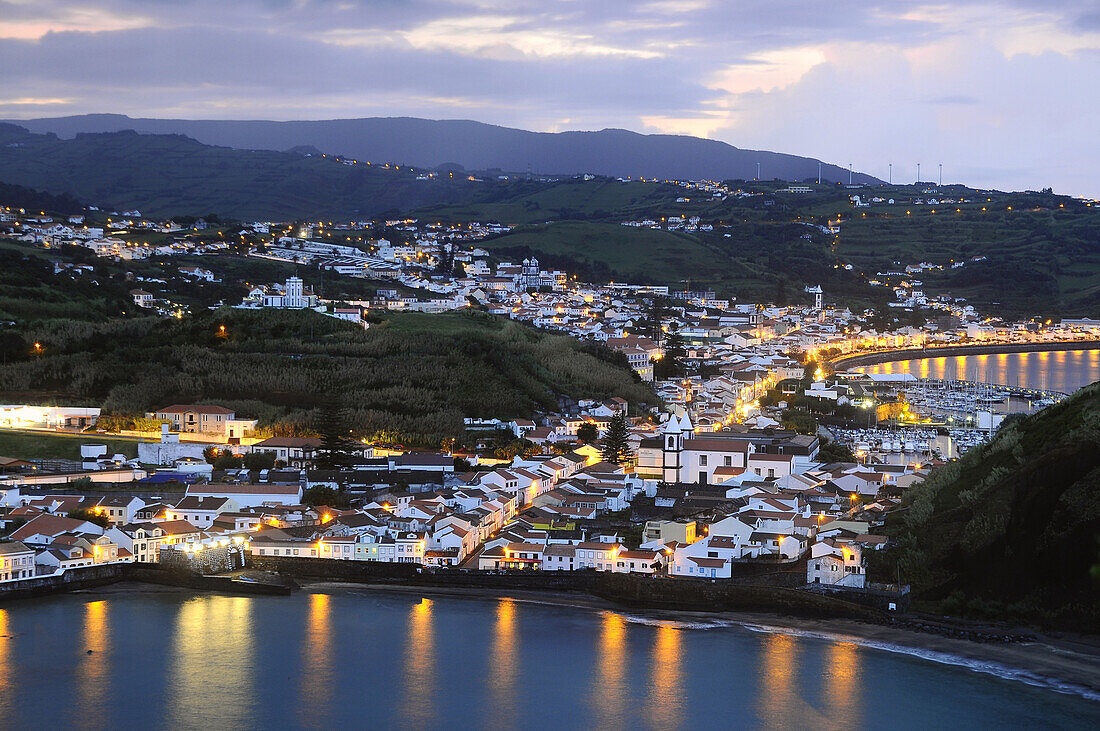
(664, 708)
(608, 687)
(781, 704)
(7, 673)
(317, 671)
(418, 707)
(94, 672)
(504, 666)
(213, 656)
(841, 689)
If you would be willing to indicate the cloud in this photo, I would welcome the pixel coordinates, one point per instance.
(999, 89)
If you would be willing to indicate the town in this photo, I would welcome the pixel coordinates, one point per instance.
(754, 457)
(697, 505)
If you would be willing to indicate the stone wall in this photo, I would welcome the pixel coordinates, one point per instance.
(67, 580)
(210, 560)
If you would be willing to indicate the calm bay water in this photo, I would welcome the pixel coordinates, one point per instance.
(1063, 370)
(368, 659)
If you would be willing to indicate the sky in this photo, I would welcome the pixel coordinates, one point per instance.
(1003, 93)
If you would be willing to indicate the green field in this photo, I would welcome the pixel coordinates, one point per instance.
(1039, 262)
(601, 199)
(44, 445)
(643, 255)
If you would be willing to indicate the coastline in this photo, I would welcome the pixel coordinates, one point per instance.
(1060, 665)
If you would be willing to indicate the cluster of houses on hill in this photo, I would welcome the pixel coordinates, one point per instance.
(699, 506)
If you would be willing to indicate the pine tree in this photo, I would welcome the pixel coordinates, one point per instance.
(336, 445)
(671, 364)
(615, 447)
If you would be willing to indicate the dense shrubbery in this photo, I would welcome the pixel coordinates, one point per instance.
(1013, 525)
(412, 379)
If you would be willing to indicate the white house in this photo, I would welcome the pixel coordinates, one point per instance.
(201, 512)
(837, 563)
(16, 561)
(250, 496)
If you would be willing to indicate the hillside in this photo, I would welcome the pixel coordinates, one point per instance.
(474, 145)
(1052, 242)
(765, 243)
(167, 175)
(410, 378)
(602, 251)
(1012, 530)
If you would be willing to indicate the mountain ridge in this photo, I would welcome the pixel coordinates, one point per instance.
(475, 145)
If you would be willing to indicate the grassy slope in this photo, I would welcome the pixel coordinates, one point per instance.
(411, 377)
(1011, 530)
(638, 254)
(32, 445)
(601, 199)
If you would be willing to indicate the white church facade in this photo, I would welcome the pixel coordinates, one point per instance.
(682, 456)
(294, 296)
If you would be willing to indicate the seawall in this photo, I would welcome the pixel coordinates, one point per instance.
(69, 580)
(88, 577)
(773, 593)
(846, 362)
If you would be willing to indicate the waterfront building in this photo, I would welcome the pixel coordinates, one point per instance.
(16, 561)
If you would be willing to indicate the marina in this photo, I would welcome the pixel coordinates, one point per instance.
(910, 445)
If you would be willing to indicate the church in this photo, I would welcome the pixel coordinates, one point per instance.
(531, 276)
(679, 455)
(294, 296)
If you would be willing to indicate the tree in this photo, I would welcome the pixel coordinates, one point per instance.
(671, 364)
(517, 448)
(324, 495)
(653, 316)
(210, 454)
(259, 460)
(91, 516)
(227, 461)
(615, 447)
(336, 448)
(802, 422)
(588, 432)
(835, 452)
